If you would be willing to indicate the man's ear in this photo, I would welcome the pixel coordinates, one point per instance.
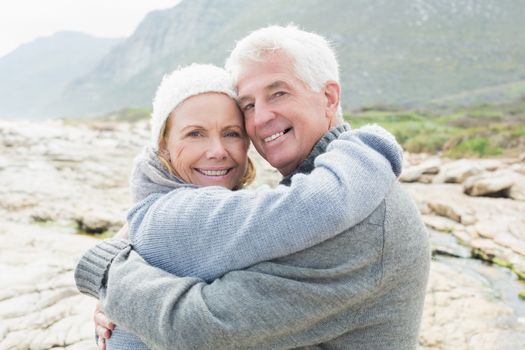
(332, 92)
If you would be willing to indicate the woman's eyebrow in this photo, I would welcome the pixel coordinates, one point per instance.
(193, 126)
(233, 126)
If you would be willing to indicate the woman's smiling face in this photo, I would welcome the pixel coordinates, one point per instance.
(205, 142)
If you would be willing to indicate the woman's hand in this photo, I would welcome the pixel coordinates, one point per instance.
(103, 326)
(123, 232)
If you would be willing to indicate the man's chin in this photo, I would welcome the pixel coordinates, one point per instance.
(285, 167)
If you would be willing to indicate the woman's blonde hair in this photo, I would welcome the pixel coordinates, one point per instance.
(247, 179)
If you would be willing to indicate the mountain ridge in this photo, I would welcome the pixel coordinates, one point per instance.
(36, 72)
(404, 53)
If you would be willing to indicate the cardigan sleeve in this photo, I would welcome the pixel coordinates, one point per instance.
(208, 231)
(242, 310)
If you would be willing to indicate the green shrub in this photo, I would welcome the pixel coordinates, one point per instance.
(428, 143)
(478, 147)
(518, 132)
(477, 131)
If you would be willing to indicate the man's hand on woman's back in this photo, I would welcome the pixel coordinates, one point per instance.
(103, 326)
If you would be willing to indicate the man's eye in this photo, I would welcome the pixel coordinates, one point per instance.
(194, 133)
(247, 107)
(279, 93)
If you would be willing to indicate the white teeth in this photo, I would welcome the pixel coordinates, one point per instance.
(214, 172)
(274, 136)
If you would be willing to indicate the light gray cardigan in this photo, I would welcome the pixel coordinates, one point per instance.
(176, 312)
(208, 231)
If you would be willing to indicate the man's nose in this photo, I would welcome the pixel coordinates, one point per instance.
(216, 149)
(262, 114)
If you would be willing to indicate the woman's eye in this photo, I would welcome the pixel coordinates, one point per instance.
(279, 93)
(194, 134)
(233, 134)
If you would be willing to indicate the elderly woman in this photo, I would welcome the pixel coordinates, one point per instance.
(195, 169)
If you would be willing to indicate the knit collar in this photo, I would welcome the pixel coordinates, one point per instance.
(149, 176)
(307, 165)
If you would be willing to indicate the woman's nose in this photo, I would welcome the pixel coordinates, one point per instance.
(216, 150)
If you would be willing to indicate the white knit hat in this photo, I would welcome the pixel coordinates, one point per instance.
(182, 83)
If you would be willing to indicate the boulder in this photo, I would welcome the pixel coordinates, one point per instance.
(98, 221)
(439, 223)
(451, 210)
(492, 164)
(490, 184)
(503, 183)
(457, 172)
(411, 174)
(415, 173)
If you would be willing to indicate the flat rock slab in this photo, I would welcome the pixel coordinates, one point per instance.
(463, 311)
(496, 225)
(40, 307)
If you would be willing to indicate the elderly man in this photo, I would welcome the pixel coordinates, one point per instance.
(362, 289)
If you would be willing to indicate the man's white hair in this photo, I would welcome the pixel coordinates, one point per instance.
(314, 61)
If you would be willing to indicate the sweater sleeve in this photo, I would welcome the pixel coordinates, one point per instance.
(242, 310)
(209, 231)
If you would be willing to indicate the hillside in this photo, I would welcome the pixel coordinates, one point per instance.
(35, 73)
(403, 53)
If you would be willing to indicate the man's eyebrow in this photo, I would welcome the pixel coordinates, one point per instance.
(274, 85)
(277, 84)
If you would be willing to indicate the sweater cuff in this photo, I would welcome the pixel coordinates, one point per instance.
(92, 269)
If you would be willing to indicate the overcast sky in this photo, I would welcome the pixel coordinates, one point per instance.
(22, 21)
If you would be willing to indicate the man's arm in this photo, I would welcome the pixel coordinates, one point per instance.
(206, 232)
(243, 309)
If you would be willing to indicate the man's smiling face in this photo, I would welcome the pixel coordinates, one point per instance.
(283, 116)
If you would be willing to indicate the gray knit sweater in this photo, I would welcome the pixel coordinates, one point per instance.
(155, 331)
(162, 226)
(206, 232)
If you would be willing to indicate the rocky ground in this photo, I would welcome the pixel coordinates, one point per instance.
(58, 180)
